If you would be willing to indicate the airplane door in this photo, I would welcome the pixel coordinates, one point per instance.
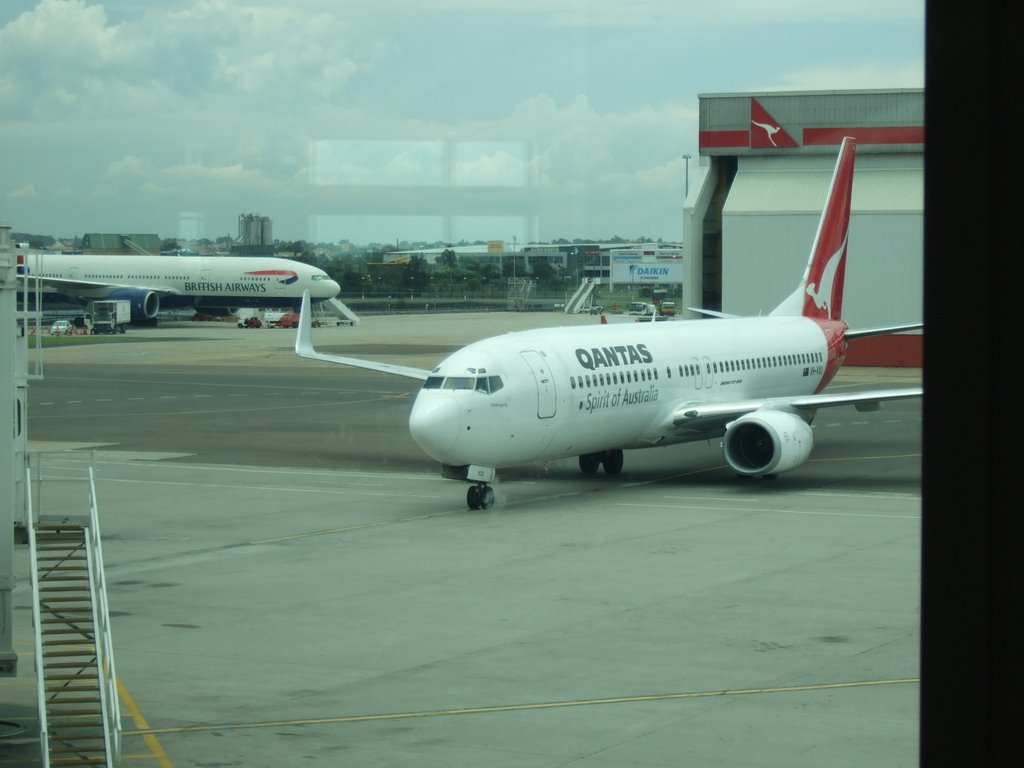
(545, 383)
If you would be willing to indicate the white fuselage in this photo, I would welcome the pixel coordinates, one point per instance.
(182, 281)
(572, 391)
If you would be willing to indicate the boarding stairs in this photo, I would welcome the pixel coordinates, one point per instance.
(581, 300)
(519, 291)
(341, 311)
(79, 712)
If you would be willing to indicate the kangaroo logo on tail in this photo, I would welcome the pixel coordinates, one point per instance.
(820, 293)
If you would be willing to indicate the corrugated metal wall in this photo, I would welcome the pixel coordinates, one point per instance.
(769, 222)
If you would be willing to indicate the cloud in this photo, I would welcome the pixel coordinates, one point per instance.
(64, 57)
(26, 192)
(864, 75)
(569, 114)
(129, 165)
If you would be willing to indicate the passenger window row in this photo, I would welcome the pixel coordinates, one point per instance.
(634, 376)
(692, 370)
(754, 363)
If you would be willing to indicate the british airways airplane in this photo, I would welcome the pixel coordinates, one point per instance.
(594, 391)
(152, 283)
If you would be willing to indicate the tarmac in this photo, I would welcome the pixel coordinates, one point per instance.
(323, 612)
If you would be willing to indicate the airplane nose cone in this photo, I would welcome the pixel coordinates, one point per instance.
(330, 288)
(434, 425)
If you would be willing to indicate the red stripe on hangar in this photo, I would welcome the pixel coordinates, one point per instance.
(911, 134)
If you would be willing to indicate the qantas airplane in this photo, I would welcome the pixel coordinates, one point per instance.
(593, 391)
(153, 283)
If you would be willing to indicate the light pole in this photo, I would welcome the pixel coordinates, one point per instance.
(686, 157)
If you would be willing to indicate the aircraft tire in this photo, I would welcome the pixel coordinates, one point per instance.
(486, 497)
(589, 463)
(473, 497)
(613, 462)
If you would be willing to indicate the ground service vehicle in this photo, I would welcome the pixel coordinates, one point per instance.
(111, 316)
(287, 320)
(249, 318)
(82, 324)
(642, 309)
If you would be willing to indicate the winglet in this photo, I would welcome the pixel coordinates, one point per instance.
(820, 293)
(304, 338)
(304, 348)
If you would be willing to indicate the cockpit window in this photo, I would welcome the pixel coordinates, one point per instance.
(485, 384)
(460, 382)
(489, 384)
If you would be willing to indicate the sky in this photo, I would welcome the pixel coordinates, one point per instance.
(386, 121)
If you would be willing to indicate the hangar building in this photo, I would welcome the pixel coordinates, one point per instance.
(766, 160)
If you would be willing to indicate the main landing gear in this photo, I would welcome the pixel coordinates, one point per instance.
(612, 461)
(480, 496)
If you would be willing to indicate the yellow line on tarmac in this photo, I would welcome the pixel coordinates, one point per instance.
(156, 749)
(526, 707)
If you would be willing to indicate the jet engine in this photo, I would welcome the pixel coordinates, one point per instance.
(145, 304)
(767, 442)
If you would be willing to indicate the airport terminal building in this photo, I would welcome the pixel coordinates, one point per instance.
(766, 160)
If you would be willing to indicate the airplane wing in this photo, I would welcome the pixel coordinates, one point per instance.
(850, 334)
(711, 417)
(710, 312)
(865, 332)
(304, 348)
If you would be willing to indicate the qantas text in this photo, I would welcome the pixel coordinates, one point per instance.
(606, 357)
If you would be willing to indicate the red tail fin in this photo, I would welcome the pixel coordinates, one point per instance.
(820, 294)
(826, 273)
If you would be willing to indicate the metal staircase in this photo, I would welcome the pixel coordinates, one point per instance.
(581, 297)
(79, 715)
(340, 310)
(519, 291)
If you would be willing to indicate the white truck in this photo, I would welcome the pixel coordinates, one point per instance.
(642, 309)
(111, 316)
(644, 312)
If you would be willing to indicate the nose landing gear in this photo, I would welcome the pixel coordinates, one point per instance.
(480, 496)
